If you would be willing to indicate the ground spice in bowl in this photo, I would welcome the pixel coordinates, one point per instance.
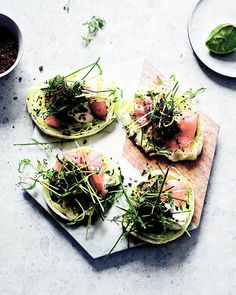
(8, 49)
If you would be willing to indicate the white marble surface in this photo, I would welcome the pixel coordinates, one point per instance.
(36, 257)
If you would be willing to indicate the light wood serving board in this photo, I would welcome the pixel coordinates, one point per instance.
(198, 171)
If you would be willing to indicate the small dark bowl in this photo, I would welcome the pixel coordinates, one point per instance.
(9, 24)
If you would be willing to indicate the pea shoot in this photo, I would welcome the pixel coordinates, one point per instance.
(68, 188)
(153, 210)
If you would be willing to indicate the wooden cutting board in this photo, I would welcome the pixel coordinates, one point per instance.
(198, 171)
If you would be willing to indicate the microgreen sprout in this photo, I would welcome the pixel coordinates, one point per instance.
(64, 98)
(150, 207)
(163, 107)
(69, 186)
(192, 94)
(93, 26)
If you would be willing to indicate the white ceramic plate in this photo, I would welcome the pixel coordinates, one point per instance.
(206, 15)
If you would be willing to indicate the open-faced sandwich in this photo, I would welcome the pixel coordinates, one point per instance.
(161, 121)
(81, 185)
(74, 106)
(160, 208)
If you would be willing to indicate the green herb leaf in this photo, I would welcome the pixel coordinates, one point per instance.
(22, 164)
(222, 39)
(28, 186)
(93, 26)
(87, 39)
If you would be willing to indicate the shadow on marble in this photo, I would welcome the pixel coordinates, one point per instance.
(56, 225)
(222, 80)
(150, 255)
(9, 86)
